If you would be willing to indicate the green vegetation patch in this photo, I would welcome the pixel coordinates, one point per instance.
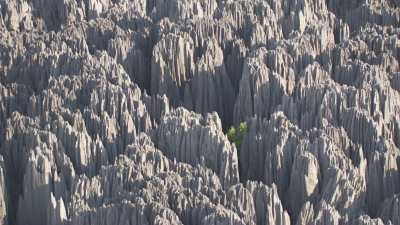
(236, 135)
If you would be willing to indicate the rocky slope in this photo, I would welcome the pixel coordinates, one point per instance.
(115, 112)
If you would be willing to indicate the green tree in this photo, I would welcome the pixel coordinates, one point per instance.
(236, 135)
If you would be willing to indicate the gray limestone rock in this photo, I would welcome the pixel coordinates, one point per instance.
(4, 210)
(304, 180)
(116, 112)
(191, 77)
(390, 210)
(366, 220)
(190, 138)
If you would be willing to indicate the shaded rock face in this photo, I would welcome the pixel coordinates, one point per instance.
(190, 138)
(114, 112)
(192, 76)
(155, 189)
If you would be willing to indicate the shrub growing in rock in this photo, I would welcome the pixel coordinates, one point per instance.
(236, 135)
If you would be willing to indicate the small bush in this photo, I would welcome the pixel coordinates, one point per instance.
(236, 135)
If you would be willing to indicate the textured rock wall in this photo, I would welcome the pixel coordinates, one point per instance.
(115, 112)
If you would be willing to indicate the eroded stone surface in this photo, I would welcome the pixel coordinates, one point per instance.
(114, 112)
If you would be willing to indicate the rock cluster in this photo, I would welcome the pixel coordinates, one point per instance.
(115, 112)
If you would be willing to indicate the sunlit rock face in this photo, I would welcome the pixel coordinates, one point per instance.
(117, 112)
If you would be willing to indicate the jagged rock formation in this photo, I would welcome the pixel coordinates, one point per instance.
(114, 112)
(197, 81)
(190, 138)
